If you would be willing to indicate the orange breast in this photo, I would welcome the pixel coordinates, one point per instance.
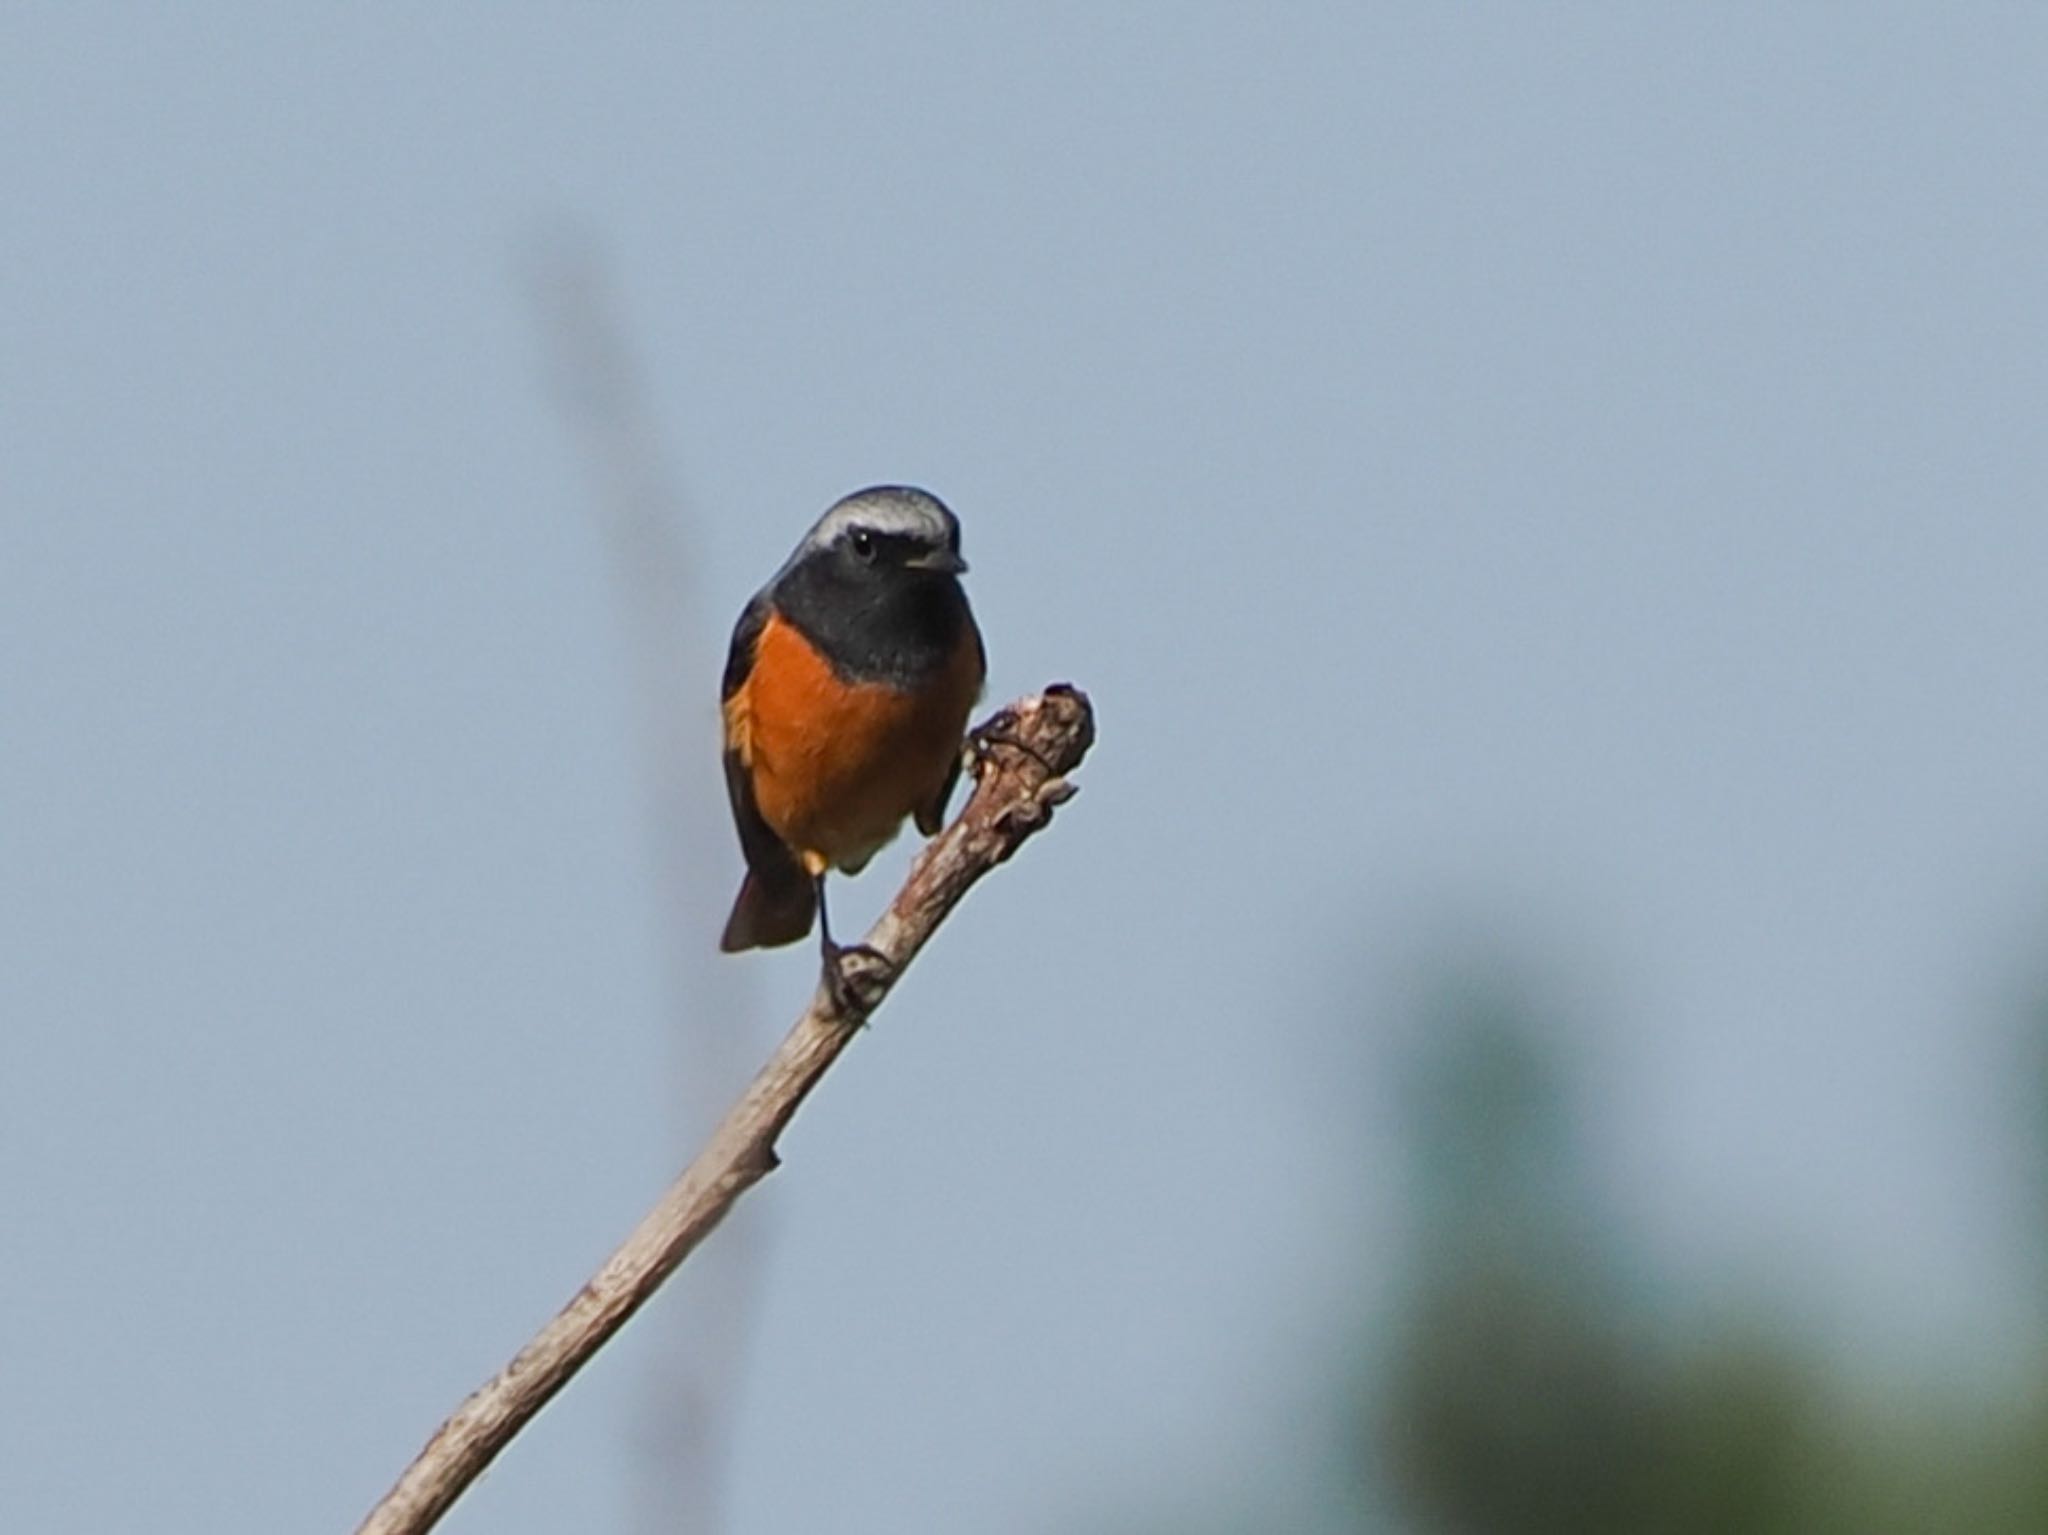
(836, 767)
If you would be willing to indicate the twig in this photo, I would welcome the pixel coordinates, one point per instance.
(1021, 759)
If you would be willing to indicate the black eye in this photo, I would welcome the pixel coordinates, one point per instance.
(863, 543)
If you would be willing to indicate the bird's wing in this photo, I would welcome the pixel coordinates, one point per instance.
(765, 853)
(775, 901)
(746, 634)
(931, 815)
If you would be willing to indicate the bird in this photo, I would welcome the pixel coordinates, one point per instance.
(846, 694)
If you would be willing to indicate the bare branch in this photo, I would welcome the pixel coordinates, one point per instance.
(1021, 759)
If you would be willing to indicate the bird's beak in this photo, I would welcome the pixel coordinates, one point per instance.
(939, 559)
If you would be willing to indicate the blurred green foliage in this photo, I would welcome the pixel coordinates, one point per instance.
(1526, 1395)
(1524, 1385)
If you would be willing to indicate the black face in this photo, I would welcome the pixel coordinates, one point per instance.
(881, 606)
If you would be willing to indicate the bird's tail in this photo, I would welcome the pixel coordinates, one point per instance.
(770, 912)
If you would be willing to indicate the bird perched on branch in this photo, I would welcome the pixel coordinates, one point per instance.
(846, 691)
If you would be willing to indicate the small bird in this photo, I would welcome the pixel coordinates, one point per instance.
(846, 692)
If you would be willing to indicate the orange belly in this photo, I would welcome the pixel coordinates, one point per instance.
(837, 766)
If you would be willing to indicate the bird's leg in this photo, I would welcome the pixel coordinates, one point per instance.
(854, 987)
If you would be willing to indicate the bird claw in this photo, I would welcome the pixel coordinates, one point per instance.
(856, 977)
(1000, 729)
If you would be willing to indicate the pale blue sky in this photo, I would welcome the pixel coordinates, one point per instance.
(1570, 470)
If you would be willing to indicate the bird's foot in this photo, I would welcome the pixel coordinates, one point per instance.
(1000, 729)
(856, 976)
